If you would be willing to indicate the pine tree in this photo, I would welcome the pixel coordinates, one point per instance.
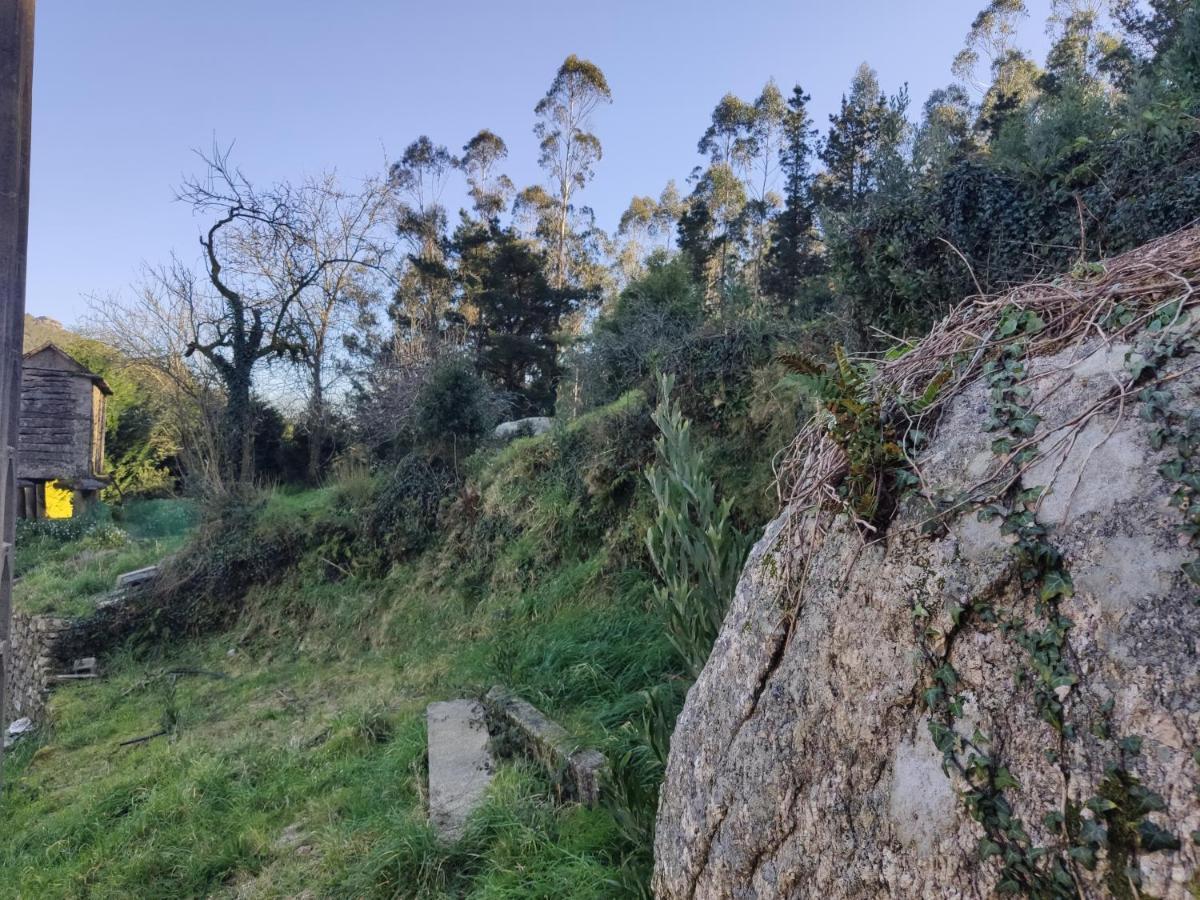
(793, 256)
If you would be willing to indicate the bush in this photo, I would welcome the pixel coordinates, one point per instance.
(402, 516)
(697, 551)
(453, 409)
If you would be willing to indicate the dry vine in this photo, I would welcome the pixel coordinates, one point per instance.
(1072, 309)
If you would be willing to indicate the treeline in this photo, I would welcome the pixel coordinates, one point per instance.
(391, 327)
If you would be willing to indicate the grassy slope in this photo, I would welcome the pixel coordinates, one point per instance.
(304, 768)
(64, 566)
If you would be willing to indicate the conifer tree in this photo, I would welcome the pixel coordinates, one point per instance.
(792, 257)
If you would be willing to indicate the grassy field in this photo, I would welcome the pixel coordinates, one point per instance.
(295, 760)
(63, 566)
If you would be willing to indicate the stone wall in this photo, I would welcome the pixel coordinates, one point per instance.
(31, 664)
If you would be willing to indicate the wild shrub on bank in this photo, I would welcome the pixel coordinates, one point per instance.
(561, 496)
(453, 409)
(401, 517)
(696, 549)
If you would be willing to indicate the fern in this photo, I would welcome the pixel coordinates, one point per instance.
(856, 422)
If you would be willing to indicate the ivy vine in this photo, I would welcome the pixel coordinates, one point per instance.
(1115, 819)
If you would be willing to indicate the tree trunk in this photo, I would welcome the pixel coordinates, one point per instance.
(316, 425)
(240, 426)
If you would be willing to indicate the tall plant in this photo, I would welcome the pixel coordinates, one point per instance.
(694, 544)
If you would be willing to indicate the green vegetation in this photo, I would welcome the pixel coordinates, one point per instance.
(63, 566)
(349, 565)
(697, 551)
(536, 578)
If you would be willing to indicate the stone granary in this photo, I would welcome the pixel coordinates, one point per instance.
(60, 450)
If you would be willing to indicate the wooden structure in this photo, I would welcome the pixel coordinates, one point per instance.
(61, 441)
(16, 94)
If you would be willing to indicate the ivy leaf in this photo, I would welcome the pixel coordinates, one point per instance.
(1139, 365)
(988, 848)
(1172, 471)
(1057, 583)
(1131, 744)
(1154, 839)
(1005, 779)
(955, 610)
(1147, 800)
(1085, 855)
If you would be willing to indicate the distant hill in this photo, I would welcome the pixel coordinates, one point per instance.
(40, 330)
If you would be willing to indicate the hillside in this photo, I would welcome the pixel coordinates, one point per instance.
(41, 330)
(295, 736)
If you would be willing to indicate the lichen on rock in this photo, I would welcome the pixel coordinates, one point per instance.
(803, 763)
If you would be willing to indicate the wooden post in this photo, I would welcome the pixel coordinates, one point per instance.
(16, 86)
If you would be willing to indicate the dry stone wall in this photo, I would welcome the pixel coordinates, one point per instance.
(32, 663)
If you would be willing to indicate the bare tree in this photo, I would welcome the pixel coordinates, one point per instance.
(152, 329)
(260, 259)
(345, 228)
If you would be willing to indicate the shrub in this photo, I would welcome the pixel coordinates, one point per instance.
(453, 409)
(696, 550)
(401, 518)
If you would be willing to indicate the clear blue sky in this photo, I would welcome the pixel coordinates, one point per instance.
(125, 91)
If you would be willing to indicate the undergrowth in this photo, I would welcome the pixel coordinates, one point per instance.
(326, 621)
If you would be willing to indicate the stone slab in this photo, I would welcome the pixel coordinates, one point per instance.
(136, 577)
(460, 764)
(522, 727)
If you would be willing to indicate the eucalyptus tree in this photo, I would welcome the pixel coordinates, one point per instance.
(945, 132)
(766, 132)
(645, 221)
(1150, 26)
(1085, 50)
(714, 227)
(490, 190)
(569, 150)
(1010, 78)
(638, 224)
(669, 209)
(425, 285)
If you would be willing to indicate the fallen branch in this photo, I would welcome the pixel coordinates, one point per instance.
(142, 739)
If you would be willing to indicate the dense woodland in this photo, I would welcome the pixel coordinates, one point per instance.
(365, 340)
(319, 312)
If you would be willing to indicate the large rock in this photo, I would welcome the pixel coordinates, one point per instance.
(802, 764)
(530, 427)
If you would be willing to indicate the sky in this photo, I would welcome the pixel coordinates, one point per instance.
(125, 93)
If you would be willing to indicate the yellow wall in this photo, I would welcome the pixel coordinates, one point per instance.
(58, 501)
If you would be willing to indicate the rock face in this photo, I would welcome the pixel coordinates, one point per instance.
(530, 427)
(803, 764)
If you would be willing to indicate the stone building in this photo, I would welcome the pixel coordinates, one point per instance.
(60, 450)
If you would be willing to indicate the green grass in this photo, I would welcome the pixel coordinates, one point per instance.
(537, 580)
(320, 730)
(62, 567)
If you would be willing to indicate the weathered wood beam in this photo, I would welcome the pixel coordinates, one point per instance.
(16, 92)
